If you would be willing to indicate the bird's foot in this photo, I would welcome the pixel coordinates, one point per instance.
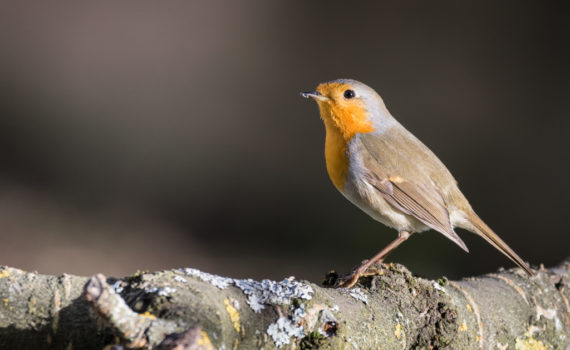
(351, 279)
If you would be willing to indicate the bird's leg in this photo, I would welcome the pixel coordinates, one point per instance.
(351, 280)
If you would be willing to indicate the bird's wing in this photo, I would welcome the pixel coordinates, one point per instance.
(421, 200)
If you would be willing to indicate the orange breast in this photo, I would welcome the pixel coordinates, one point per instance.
(336, 157)
(342, 123)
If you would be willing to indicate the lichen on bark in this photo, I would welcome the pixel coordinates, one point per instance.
(390, 310)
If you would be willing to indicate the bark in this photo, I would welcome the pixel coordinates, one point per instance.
(190, 309)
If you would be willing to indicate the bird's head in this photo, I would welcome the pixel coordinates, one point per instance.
(350, 106)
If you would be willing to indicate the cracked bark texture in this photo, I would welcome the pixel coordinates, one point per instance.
(190, 309)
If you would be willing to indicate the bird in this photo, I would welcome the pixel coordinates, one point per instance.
(388, 173)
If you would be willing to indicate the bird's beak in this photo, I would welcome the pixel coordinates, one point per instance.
(315, 95)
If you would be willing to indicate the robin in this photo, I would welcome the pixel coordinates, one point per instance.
(387, 172)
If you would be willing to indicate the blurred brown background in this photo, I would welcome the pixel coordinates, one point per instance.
(158, 135)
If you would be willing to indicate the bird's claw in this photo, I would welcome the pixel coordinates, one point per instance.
(348, 281)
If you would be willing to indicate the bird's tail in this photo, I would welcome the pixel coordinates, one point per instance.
(485, 231)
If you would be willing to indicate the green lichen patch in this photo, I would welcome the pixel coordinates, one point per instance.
(313, 340)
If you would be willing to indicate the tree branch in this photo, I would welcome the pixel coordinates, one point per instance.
(190, 309)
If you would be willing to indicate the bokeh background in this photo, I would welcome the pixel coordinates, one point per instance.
(158, 135)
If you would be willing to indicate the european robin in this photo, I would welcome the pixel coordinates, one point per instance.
(387, 172)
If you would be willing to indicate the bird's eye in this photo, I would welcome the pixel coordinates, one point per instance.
(349, 94)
